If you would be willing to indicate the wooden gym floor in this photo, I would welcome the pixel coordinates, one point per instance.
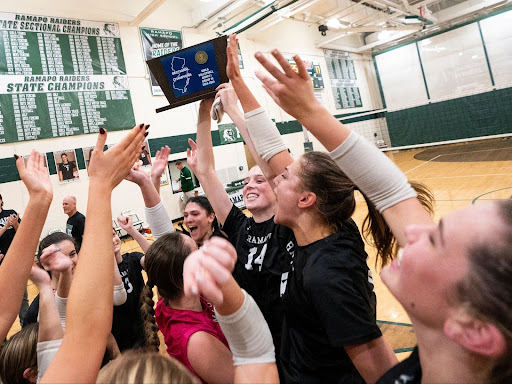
(459, 175)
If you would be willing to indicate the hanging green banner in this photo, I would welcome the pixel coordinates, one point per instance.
(156, 43)
(60, 77)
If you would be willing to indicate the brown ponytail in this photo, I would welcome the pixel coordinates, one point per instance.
(377, 233)
(147, 311)
(336, 202)
(164, 266)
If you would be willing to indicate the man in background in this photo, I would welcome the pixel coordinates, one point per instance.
(186, 184)
(76, 221)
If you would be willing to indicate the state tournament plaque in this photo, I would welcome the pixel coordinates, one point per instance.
(192, 73)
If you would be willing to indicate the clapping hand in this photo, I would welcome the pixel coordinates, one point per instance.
(207, 270)
(160, 162)
(137, 175)
(53, 259)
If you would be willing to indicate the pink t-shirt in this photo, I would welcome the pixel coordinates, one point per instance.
(177, 325)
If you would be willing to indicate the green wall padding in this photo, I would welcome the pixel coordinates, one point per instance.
(485, 114)
(8, 170)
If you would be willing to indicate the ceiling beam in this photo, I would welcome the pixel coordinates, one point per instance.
(146, 12)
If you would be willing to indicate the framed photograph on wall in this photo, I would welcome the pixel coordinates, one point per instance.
(145, 155)
(164, 180)
(87, 157)
(67, 169)
(174, 174)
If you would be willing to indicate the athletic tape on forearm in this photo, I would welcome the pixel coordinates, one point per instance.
(62, 303)
(120, 294)
(373, 172)
(264, 134)
(248, 334)
(158, 220)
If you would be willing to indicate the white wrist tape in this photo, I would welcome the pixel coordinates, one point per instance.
(158, 220)
(373, 172)
(217, 111)
(248, 334)
(264, 134)
(62, 303)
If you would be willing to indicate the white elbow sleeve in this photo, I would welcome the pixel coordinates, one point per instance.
(373, 172)
(248, 334)
(158, 220)
(264, 134)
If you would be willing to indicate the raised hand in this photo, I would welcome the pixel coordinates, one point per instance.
(137, 175)
(233, 66)
(110, 167)
(292, 91)
(125, 222)
(160, 162)
(192, 161)
(228, 96)
(52, 259)
(35, 175)
(39, 277)
(207, 270)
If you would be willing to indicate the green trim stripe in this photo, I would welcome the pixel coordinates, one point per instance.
(402, 350)
(394, 323)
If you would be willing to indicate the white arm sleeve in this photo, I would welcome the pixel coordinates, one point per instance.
(158, 221)
(373, 172)
(248, 334)
(264, 134)
(120, 294)
(46, 351)
(61, 308)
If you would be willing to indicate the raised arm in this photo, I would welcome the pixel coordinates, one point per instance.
(208, 271)
(229, 100)
(255, 119)
(202, 162)
(373, 172)
(156, 215)
(15, 269)
(80, 355)
(158, 166)
(126, 223)
(49, 321)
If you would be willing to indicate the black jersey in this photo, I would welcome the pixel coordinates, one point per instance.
(264, 252)
(127, 325)
(329, 303)
(405, 372)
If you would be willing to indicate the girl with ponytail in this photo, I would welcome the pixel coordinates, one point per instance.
(188, 324)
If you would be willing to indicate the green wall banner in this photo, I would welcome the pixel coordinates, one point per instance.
(342, 74)
(156, 43)
(60, 77)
